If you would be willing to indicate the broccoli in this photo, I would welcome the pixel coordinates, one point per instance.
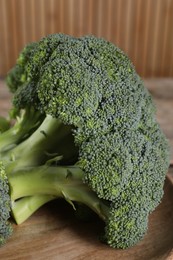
(87, 133)
(16, 77)
(4, 124)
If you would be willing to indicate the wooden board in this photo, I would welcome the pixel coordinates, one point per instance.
(54, 233)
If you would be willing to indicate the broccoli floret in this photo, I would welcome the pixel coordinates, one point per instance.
(5, 206)
(98, 142)
(25, 109)
(17, 75)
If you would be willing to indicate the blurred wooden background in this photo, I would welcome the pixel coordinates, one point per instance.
(142, 28)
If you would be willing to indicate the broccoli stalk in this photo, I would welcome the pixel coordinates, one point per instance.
(50, 138)
(4, 124)
(26, 123)
(38, 185)
(23, 208)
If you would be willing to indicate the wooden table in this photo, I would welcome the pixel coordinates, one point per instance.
(54, 233)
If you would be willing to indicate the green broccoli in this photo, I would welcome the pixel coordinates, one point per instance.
(4, 124)
(93, 137)
(16, 77)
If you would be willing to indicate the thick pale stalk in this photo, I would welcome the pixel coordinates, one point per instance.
(60, 182)
(23, 208)
(25, 124)
(36, 149)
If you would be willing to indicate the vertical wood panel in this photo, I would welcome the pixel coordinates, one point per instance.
(142, 58)
(167, 50)
(28, 22)
(125, 26)
(113, 20)
(143, 29)
(165, 38)
(3, 40)
(128, 29)
(141, 33)
(151, 36)
(158, 30)
(13, 43)
(85, 16)
(170, 56)
(138, 29)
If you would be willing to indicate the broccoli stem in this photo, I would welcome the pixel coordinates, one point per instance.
(24, 126)
(40, 146)
(60, 182)
(4, 124)
(23, 208)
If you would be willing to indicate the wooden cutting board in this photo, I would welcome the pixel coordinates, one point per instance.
(54, 233)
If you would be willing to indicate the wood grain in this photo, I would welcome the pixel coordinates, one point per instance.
(54, 233)
(143, 29)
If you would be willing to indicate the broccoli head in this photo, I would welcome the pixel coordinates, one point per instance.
(97, 141)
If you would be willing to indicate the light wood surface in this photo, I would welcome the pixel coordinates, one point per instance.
(54, 233)
(143, 29)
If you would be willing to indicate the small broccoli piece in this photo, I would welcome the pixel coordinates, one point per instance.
(97, 141)
(17, 75)
(5, 206)
(25, 105)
